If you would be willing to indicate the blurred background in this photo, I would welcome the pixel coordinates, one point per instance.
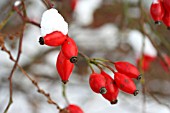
(110, 29)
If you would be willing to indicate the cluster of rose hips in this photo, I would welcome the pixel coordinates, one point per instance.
(107, 86)
(68, 53)
(56, 34)
(160, 11)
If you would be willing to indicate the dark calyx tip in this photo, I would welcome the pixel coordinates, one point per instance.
(41, 41)
(168, 27)
(73, 59)
(139, 77)
(64, 81)
(136, 92)
(114, 101)
(103, 90)
(158, 22)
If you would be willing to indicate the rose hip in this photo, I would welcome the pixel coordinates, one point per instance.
(70, 50)
(128, 69)
(157, 11)
(125, 83)
(64, 67)
(97, 83)
(112, 89)
(55, 38)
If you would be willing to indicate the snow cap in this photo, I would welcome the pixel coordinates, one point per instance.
(155, 2)
(53, 21)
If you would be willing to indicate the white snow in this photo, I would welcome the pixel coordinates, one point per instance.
(155, 2)
(135, 39)
(84, 10)
(53, 21)
(17, 3)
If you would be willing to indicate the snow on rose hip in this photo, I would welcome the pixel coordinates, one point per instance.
(157, 11)
(128, 69)
(70, 50)
(64, 67)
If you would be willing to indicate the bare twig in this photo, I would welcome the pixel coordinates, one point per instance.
(40, 90)
(13, 69)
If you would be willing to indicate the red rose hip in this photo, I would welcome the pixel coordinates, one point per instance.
(157, 11)
(70, 50)
(125, 83)
(55, 38)
(166, 19)
(72, 109)
(128, 69)
(64, 67)
(112, 89)
(97, 83)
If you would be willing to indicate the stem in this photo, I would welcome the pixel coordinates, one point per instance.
(12, 72)
(103, 60)
(87, 60)
(94, 62)
(64, 93)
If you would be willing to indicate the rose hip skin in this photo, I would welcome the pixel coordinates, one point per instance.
(73, 4)
(55, 38)
(157, 11)
(70, 50)
(112, 89)
(166, 4)
(64, 67)
(166, 19)
(72, 109)
(127, 69)
(97, 83)
(125, 83)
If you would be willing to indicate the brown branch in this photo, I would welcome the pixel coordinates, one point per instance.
(48, 4)
(13, 69)
(24, 16)
(40, 90)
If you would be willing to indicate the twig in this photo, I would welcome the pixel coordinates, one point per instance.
(13, 69)
(41, 91)
(48, 4)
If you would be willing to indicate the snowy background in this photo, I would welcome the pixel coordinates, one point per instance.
(106, 40)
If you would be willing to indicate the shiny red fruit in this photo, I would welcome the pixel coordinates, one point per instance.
(70, 50)
(125, 83)
(112, 89)
(97, 83)
(157, 11)
(167, 65)
(166, 19)
(166, 4)
(73, 4)
(55, 38)
(128, 69)
(72, 109)
(146, 61)
(64, 67)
